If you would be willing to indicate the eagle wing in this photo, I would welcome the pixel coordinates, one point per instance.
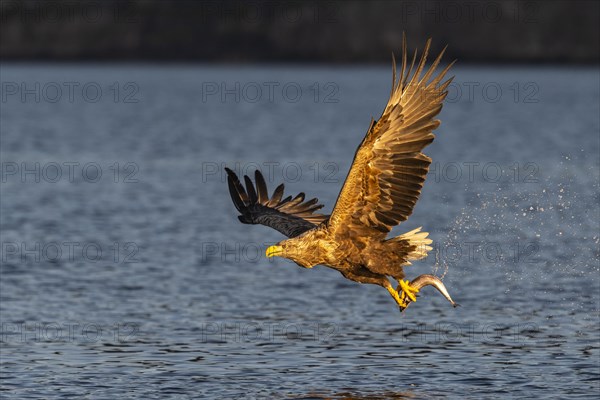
(290, 216)
(389, 169)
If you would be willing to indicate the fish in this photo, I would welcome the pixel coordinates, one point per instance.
(429, 280)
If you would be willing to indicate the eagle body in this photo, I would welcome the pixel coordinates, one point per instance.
(355, 256)
(380, 191)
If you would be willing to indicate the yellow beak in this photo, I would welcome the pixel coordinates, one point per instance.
(274, 251)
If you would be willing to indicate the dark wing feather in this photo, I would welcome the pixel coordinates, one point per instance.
(389, 170)
(289, 216)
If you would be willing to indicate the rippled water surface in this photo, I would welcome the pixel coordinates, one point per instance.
(125, 273)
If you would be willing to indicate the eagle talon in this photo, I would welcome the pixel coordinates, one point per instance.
(404, 301)
(402, 305)
(407, 290)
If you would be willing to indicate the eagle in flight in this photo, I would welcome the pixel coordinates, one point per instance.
(380, 191)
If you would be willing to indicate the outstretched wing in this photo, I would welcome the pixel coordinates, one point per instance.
(290, 216)
(388, 170)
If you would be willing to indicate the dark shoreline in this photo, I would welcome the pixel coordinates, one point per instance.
(556, 31)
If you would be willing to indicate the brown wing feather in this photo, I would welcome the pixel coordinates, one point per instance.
(289, 216)
(389, 170)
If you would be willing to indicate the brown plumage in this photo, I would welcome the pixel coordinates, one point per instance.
(380, 191)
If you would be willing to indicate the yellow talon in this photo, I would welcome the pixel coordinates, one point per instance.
(408, 290)
(399, 300)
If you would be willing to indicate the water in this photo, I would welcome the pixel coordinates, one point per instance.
(141, 283)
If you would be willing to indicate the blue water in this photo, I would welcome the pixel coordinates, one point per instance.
(125, 273)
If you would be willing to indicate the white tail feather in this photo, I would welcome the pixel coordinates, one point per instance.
(418, 239)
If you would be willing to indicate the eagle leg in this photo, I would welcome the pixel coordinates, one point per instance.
(365, 276)
(401, 303)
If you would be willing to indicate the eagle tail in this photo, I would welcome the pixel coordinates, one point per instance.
(418, 244)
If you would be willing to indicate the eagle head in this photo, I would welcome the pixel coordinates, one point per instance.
(303, 252)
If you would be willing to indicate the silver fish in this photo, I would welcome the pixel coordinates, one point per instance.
(429, 280)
